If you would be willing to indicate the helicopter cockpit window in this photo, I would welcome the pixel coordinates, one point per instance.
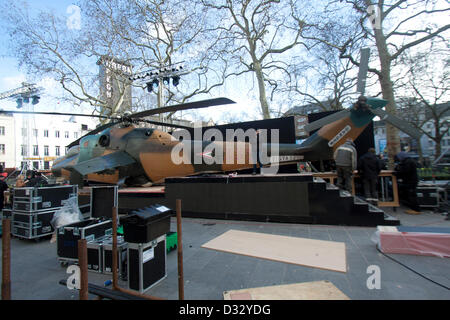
(73, 150)
(104, 140)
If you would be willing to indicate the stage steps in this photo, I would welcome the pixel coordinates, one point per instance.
(342, 207)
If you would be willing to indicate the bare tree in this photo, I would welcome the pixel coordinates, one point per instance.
(394, 28)
(326, 81)
(321, 77)
(255, 37)
(427, 81)
(143, 34)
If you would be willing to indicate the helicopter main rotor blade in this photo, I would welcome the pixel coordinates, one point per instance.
(56, 114)
(183, 106)
(326, 120)
(164, 124)
(397, 122)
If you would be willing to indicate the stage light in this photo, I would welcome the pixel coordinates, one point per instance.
(19, 103)
(166, 80)
(35, 99)
(175, 80)
(149, 87)
(26, 99)
(155, 82)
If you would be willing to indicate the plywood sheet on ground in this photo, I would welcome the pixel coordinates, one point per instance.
(329, 255)
(317, 290)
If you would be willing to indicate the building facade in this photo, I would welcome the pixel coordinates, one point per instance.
(35, 141)
(7, 141)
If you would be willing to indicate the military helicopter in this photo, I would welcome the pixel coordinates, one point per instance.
(119, 151)
(141, 156)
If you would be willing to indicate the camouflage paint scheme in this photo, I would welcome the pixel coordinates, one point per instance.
(143, 155)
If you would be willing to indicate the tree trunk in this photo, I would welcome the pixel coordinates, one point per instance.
(261, 90)
(419, 151)
(387, 89)
(437, 139)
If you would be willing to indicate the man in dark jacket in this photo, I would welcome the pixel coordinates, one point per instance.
(3, 188)
(406, 171)
(369, 168)
(35, 179)
(345, 158)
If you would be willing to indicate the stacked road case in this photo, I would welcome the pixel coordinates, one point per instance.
(33, 209)
(145, 232)
(431, 196)
(97, 203)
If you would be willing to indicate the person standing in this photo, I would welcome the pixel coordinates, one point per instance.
(345, 158)
(369, 168)
(3, 188)
(406, 171)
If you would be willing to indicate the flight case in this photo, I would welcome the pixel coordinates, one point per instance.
(98, 201)
(32, 225)
(429, 196)
(95, 254)
(68, 236)
(121, 253)
(29, 199)
(146, 264)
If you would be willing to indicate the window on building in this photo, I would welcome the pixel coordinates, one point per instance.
(2, 149)
(67, 149)
(35, 150)
(2, 164)
(84, 127)
(23, 164)
(36, 165)
(46, 165)
(75, 135)
(35, 132)
(66, 134)
(46, 133)
(2, 131)
(57, 152)
(46, 151)
(23, 151)
(57, 134)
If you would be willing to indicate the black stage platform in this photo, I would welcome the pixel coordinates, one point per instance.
(297, 198)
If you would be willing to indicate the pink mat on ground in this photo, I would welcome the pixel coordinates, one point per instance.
(390, 240)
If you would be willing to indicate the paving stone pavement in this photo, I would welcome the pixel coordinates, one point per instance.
(208, 273)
